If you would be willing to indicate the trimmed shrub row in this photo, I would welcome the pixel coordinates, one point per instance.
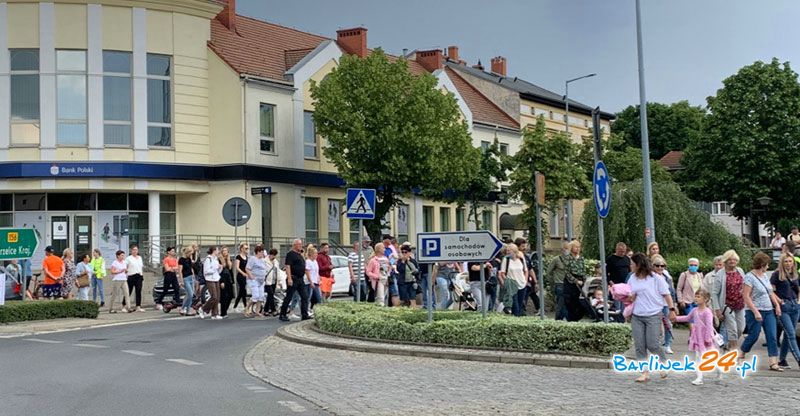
(469, 330)
(40, 310)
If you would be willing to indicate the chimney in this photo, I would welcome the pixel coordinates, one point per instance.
(478, 66)
(452, 53)
(353, 41)
(228, 15)
(430, 60)
(499, 65)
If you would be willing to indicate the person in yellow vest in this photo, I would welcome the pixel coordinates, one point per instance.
(98, 265)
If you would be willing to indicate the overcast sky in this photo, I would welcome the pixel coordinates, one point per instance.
(690, 46)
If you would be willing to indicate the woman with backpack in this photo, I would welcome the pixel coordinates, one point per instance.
(513, 275)
(211, 269)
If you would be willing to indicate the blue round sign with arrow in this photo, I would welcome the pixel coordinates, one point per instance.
(602, 189)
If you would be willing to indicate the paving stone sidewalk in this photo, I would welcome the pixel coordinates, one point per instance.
(355, 383)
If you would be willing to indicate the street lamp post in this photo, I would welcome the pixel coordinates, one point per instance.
(568, 203)
(649, 219)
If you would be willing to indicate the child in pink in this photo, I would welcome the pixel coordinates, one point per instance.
(701, 338)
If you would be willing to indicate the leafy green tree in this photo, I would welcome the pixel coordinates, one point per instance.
(625, 162)
(670, 126)
(391, 130)
(493, 169)
(750, 146)
(682, 227)
(559, 159)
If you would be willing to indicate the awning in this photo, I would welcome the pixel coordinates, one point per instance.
(512, 222)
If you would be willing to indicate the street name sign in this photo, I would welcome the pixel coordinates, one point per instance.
(17, 243)
(457, 246)
(360, 204)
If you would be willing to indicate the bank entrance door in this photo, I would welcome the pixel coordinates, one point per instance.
(75, 231)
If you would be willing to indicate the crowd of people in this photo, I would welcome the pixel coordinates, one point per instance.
(724, 303)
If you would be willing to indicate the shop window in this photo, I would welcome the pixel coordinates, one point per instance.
(312, 220)
(137, 202)
(24, 93)
(6, 219)
(167, 202)
(72, 202)
(29, 202)
(6, 202)
(112, 202)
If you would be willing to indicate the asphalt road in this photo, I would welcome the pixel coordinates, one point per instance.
(184, 366)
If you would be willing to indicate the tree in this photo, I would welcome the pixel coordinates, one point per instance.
(559, 159)
(670, 126)
(393, 131)
(494, 167)
(682, 228)
(750, 145)
(625, 163)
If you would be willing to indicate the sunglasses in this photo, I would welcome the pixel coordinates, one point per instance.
(660, 265)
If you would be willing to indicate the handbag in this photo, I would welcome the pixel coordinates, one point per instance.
(718, 340)
(83, 280)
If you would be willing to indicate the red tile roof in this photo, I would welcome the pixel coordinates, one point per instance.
(672, 160)
(483, 109)
(260, 48)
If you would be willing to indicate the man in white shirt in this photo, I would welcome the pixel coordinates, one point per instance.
(135, 278)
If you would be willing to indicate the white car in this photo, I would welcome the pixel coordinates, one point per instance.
(341, 275)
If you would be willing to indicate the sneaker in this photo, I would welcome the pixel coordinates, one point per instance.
(311, 314)
(201, 314)
(784, 365)
(102, 304)
(697, 382)
(668, 350)
(112, 311)
(124, 310)
(184, 312)
(159, 307)
(140, 309)
(283, 318)
(294, 316)
(216, 317)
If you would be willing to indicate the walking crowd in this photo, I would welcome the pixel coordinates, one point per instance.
(719, 307)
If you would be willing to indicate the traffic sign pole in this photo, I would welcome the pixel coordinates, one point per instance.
(483, 289)
(600, 172)
(360, 259)
(431, 278)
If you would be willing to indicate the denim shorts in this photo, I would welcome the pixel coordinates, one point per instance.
(393, 289)
(407, 291)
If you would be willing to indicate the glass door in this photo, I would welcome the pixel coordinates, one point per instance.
(83, 235)
(59, 233)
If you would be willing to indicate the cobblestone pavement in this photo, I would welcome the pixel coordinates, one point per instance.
(354, 383)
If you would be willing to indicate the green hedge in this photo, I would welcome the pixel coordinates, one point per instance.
(40, 310)
(469, 330)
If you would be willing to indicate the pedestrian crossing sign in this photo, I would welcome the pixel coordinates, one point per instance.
(360, 204)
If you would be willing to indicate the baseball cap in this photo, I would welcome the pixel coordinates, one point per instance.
(49, 249)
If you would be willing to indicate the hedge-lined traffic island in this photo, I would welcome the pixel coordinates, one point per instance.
(47, 309)
(467, 329)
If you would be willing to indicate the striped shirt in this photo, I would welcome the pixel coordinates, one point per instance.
(352, 258)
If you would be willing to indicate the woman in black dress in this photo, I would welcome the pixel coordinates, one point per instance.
(241, 276)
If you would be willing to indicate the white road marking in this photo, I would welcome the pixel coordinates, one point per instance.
(44, 341)
(89, 345)
(293, 406)
(184, 362)
(257, 389)
(139, 353)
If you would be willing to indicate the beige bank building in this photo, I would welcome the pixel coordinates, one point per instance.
(128, 122)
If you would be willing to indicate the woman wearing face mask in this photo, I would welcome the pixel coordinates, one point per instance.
(689, 283)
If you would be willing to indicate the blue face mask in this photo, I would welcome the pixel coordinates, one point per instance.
(693, 269)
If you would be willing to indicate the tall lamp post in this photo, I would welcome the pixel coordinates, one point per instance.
(649, 219)
(568, 203)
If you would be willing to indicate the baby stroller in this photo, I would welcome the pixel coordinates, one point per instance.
(461, 292)
(591, 285)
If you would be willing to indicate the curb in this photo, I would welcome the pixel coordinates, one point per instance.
(429, 352)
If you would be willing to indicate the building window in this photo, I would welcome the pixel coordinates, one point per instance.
(540, 112)
(112, 202)
(71, 97)
(461, 216)
(485, 146)
(159, 100)
(427, 219)
(312, 220)
(353, 231)
(720, 208)
(117, 102)
(553, 225)
(444, 218)
(24, 92)
(486, 220)
(168, 218)
(267, 127)
(29, 202)
(309, 136)
(504, 149)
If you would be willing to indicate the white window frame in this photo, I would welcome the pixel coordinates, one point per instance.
(85, 120)
(12, 122)
(307, 145)
(171, 123)
(263, 138)
(716, 208)
(129, 123)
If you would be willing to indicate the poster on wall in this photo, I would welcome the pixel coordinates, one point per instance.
(59, 230)
(386, 224)
(402, 220)
(109, 242)
(334, 216)
(35, 220)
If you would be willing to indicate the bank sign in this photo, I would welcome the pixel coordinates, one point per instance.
(17, 243)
